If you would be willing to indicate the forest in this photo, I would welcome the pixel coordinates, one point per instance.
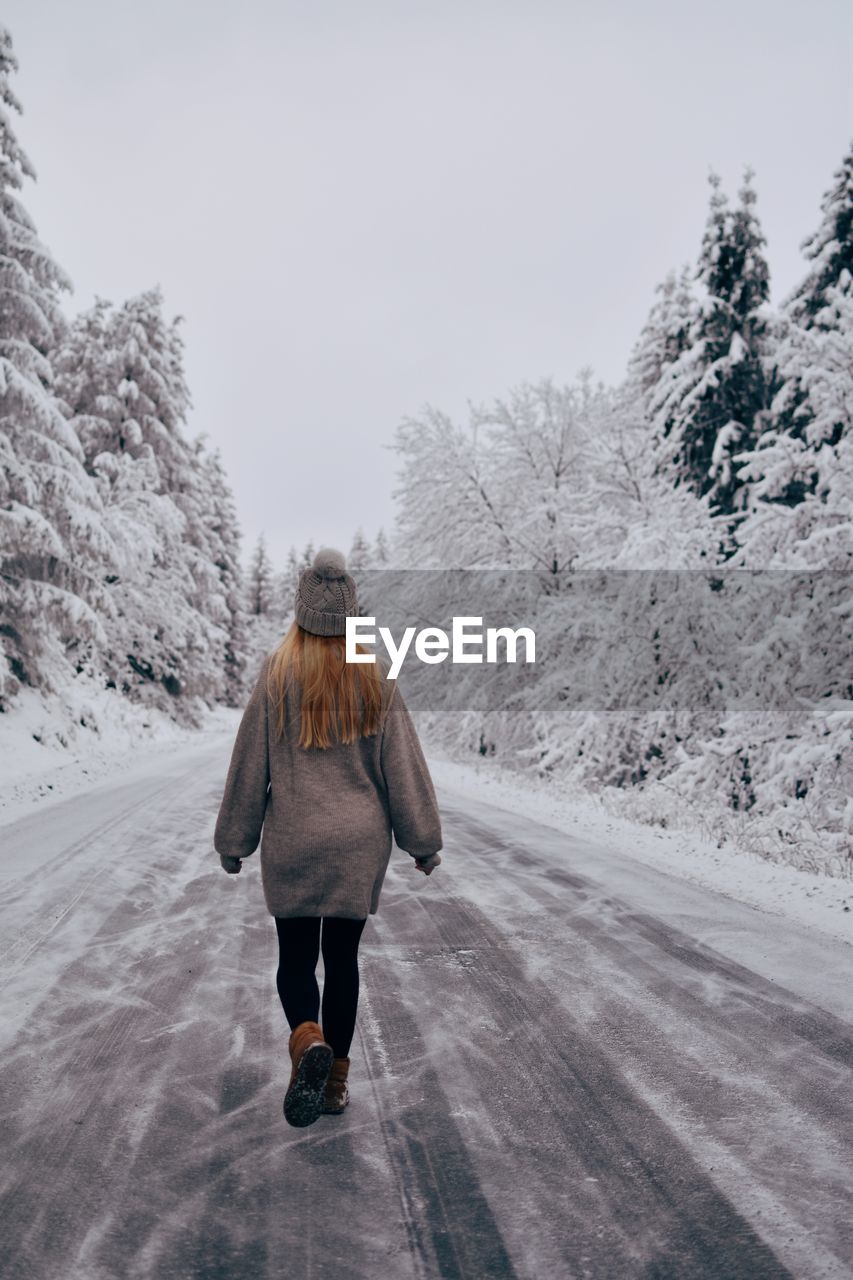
(682, 541)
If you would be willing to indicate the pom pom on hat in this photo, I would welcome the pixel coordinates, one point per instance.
(329, 563)
(326, 595)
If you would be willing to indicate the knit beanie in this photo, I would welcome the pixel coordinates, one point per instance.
(325, 597)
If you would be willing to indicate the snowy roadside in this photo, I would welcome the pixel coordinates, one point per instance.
(43, 760)
(60, 746)
(818, 902)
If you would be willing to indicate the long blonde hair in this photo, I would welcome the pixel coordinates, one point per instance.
(340, 701)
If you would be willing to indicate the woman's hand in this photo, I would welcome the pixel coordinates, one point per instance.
(428, 865)
(229, 864)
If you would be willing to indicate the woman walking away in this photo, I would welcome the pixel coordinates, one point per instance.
(328, 763)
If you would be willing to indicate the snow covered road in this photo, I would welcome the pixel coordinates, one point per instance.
(566, 1065)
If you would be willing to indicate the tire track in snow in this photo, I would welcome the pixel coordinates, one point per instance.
(617, 924)
(142, 1094)
(72, 1124)
(744, 1011)
(24, 908)
(754, 1080)
(504, 1136)
(583, 1177)
(451, 1227)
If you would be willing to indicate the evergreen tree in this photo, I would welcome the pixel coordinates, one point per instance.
(261, 593)
(359, 554)
(829, 250)
(54, 549)
(282, 596)
(666, 333)
(269, 603)
(807, 355)
(85, 381)
(120, 375)
(381, 553)
(225, 533)
(290, 574)
(710, 406)
(119, 371)
(202, 553)
(152, 392)
(801, 471)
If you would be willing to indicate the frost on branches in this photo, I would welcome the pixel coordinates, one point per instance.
(118, 540)
(175, 595)
(800, 474)
(54, 543)
(684, 545)
(708, 404)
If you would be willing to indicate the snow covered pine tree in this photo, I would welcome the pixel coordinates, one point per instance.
(54, 547)
(709, 405)
(800, 474)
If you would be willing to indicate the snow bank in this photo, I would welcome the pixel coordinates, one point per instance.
(57, 745)
(819, 902)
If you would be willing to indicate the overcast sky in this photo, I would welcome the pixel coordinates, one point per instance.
(361, 207)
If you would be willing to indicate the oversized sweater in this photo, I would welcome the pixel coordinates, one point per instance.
(327, 814)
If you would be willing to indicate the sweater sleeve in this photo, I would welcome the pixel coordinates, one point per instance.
(415, 819)
(244, 801)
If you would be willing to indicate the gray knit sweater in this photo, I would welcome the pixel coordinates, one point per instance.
(327, 814)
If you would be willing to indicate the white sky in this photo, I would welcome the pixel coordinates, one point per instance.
(363, 207)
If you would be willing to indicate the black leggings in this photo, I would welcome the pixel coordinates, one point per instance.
(299, 942)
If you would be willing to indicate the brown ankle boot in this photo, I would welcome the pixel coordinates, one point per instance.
(311, 1059)
(337, 1093)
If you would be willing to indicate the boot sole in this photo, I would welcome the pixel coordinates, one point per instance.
(303, 1101)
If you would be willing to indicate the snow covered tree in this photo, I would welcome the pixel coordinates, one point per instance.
(269, 602)
(122, 379)
(642, 521)
(829, 250)
(709, 406)
(801, 491)
(152, 395)
(225, 538)
(290, 575)
(724, 690)
(115, 532)
(666, 333)
(260, 582)
(120, 375)
(511, 487)
(381, 552)
(800, 511)
(54, 548)
(359, 553)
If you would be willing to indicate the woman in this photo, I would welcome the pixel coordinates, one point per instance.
(328, 763)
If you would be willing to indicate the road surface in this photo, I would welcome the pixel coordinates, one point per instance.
(565, 1066)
